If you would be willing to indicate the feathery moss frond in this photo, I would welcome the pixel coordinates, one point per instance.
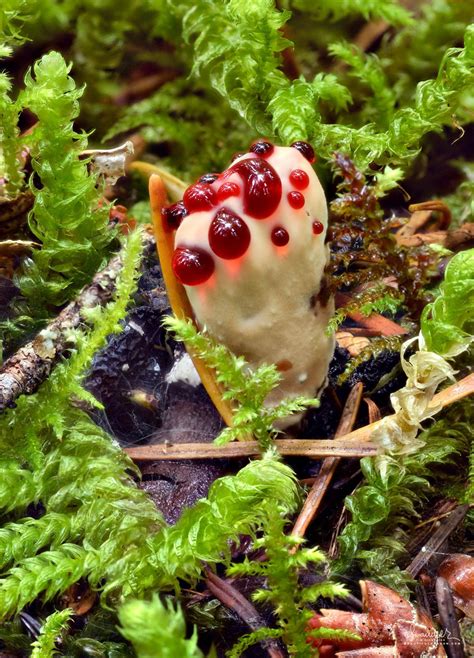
(248, 640)
(416, 52)
(157, 629)
(281, 571)
(390, 11)
(13, 14)
(233, 507)
(44, 646)
(241, 61)
(93, 509)
(66, 216)
(237, 44)
(368, 70)
(447, 324)
(9, 145)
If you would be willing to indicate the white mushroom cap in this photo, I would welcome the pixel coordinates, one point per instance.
(264, 304)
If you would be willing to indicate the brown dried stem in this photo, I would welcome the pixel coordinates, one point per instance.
(329, 465)
(234, 600)
(353, 444)
(313, 449)
(435, 542)
(448, 619)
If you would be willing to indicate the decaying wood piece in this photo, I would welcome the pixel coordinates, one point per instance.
(313, 449)
(25, 370)
(329, 465)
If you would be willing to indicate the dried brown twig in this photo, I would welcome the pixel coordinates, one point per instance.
(433, 545)
(329, 465)
(234, 600)
(353, 444)
(313, 449)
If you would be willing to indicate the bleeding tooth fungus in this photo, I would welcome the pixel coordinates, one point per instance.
(250, 251)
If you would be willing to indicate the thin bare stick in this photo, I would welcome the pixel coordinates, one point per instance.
(448, 619)
(444, 398)
(329, 465)
(354, 444)
(234, 600)
(313, 449)
(435, 542)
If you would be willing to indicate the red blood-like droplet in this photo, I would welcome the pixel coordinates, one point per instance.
(280, 236)
(236, 156)
(318, 227)
(263, 149)
(296, 200)
(200, 196)
(262, 186)
(172, 216)
(306, 150)
(226, 190)
(192, 266)
(229, 235)
(299, 179)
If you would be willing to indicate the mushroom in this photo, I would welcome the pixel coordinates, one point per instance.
(249, 250)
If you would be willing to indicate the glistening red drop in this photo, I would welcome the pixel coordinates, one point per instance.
(192, 266)
(200, 196)
(296, 200)
(172, 216)
(299, 179)
(229, 235)
(227, 190)
(306, 150)
(263, 149)
(280, 236)
(262, 186)
(208, 178)
(318, 227)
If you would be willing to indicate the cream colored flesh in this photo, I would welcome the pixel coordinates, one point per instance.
(265, 304)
